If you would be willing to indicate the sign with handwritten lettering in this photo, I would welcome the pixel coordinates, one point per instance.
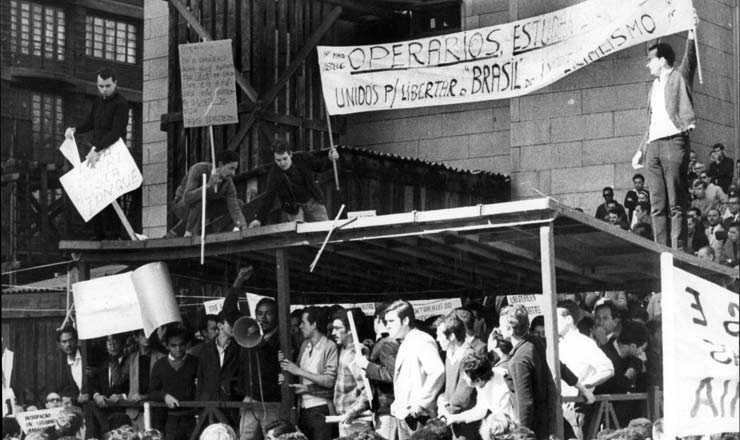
(39, 420)
(92, 189)
(700, 355)
(495, 62)
(533, 303)
(208, 83)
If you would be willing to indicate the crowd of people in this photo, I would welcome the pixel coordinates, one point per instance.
(712, 217)
(477, 372)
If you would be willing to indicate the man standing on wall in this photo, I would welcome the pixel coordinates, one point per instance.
(665, 147)
(106, 122)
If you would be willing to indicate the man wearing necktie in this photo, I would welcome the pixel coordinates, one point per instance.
(111, 380)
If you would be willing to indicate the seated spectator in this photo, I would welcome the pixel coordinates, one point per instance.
(613, 217)
(641, 214)
(712, 191)
(715, 232)
(696, 236)
(172, 380)
(701, 201)
(721, 167)
(730, 252)
(601, 212)
(278, 428)
(220, 194)
(695, 213)
(644, 230)
(630, 199)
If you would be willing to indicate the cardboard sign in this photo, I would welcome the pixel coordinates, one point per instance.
(125, 302)
(495, 62)
(208, 84)
(92, 189)
(214, 306)
(700, 354)
(423, 309)
(38, 421)
(533, 303)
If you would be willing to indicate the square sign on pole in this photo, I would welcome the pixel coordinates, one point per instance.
(208, 84)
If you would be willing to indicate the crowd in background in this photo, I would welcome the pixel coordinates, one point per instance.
(479, 372)
(713, 213)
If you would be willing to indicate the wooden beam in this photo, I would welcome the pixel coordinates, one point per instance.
(549, 309)
(361, 7)
(283, 301)
(204, 34)
(299, 59)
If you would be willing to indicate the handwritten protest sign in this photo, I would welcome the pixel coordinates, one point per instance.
(533, 303)
(214, 306)
(423, 309)
(208, 84)
(493, 62)
(700, 354)
(125, 302)
(38, 421)
(92, 189)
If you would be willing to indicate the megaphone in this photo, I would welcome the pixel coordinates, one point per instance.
(247, 332)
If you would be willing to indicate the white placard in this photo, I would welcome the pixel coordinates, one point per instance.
(92, 189)
(208, 84)
(495, 62)
(214, 306)
(69, 150)
(533, 303)
(38, 421)
(125, 302)
(423, 309)
(700, 354)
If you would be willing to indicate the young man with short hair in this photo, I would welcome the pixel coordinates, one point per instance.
(601, 212)
(140, 366)
(419, 372)
(221, 198)
(173, 380)
(291, 181)
(72, 372)
(630, 199)
(607, 321)
(721, 168)
(535, 397)
(316, 370)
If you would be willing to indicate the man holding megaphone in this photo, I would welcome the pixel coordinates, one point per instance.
(259, 367)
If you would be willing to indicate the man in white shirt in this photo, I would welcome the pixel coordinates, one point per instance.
(583, 357)
(419, 373)
(72, 383)
(665, 146)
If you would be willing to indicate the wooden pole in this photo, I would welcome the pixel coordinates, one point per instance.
(549, 309)
(698, 57)
(358, 348)
(283, 301)
(203, 222)
(326, 240)
(124, 220)
(331, 142)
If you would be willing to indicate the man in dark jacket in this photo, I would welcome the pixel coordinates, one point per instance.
(535, 396)
(292, 182)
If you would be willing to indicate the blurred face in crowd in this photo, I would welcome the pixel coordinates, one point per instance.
(113, 346)
(692, 157)
(307, 329)
(733, 234)
(642, 197)
(506, 329)
(718, 153)
(608, 195)
(177, 346)
(68, 344)
(706, 253)
(713, 217)
(106, 87)
(211, 330)
(699, 167)
(283, 160)
(654, 63)
(66, 401)
(565, 321)
(733, 204)
(340, 333)
(640, 213)
(639, 183)
(699, 191)
(613, 218)
(142, 340)
(53, 400)
(690, 223)
(444, 342)
(603, 318)
(266, 316)
(224, 328)
(705, 178)
(228, 170)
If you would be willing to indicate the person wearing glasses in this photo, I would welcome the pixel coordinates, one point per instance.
(53, 400)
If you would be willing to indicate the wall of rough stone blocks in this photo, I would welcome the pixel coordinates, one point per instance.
(154, 153)
(571, 139)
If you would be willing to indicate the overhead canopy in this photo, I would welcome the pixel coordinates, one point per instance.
(482, 249)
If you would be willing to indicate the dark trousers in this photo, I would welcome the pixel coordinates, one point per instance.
(667, 163)
(179, 427)
(312, 423)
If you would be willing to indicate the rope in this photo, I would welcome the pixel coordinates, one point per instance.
(38, 267)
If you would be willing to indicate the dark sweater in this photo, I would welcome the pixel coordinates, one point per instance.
(179, 383)
(107, 121)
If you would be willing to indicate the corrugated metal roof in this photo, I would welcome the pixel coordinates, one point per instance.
(59, 283)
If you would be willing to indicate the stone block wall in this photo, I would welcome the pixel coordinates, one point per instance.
(154, 168)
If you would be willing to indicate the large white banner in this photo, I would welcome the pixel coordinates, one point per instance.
(125, 302)
(493, 62)
(700, 354)
(92, 189)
